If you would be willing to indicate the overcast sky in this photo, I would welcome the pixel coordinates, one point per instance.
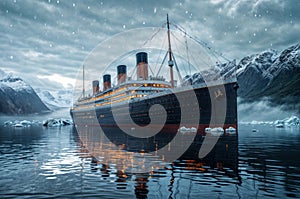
(46, 42)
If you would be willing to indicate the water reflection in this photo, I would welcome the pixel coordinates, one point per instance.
(270, 160)
(221, 164)
(39, 162)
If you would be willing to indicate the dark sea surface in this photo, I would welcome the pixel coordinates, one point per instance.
(40, 162)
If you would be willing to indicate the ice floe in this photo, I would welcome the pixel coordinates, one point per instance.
(230, 130)
(184, 129)
(57, 122)
(48, 123)
(287, 122)
(214, 131)
(20, 124)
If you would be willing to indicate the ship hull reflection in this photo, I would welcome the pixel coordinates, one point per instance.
(138, 166)
(128, 153)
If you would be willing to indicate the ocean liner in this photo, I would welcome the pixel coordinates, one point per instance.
(127, 105)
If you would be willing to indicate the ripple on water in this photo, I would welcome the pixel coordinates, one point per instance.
(51, 163)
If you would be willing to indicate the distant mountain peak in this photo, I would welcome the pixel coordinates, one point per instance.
(14, 82)
(18, 97)
(56, 99)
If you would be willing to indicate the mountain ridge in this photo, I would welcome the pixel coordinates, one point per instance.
(18, 97)
(268, 75)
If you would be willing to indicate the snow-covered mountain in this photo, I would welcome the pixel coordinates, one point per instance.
(56, 99)
(225, 70)
(18, 97)
(269, 74)
(273, 75)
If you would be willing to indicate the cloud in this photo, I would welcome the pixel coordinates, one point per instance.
(65, 82)
(54, 37)
(261, 111)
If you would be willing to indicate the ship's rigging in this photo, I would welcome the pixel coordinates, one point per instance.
(183, 43)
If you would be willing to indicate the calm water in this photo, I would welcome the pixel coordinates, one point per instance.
(38, 162)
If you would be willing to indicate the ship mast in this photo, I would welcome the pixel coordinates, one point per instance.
(170, 62)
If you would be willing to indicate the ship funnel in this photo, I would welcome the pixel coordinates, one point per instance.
(142, 65)
(106, 82)
(95, 87)
(121, 74)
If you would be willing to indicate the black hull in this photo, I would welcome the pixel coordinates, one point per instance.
(139, 113)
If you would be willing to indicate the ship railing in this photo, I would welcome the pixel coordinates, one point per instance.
(184, 88)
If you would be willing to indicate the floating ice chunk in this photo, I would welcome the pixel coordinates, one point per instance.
(56, 122)
(184, 129)
(280, 125)
(218, 129)
(230, 130)
(193, 129)
(207, 129)
(215, 131)
(292, 121)
(25, 123)
(36, 122)
(8, 123)
(18, 125)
